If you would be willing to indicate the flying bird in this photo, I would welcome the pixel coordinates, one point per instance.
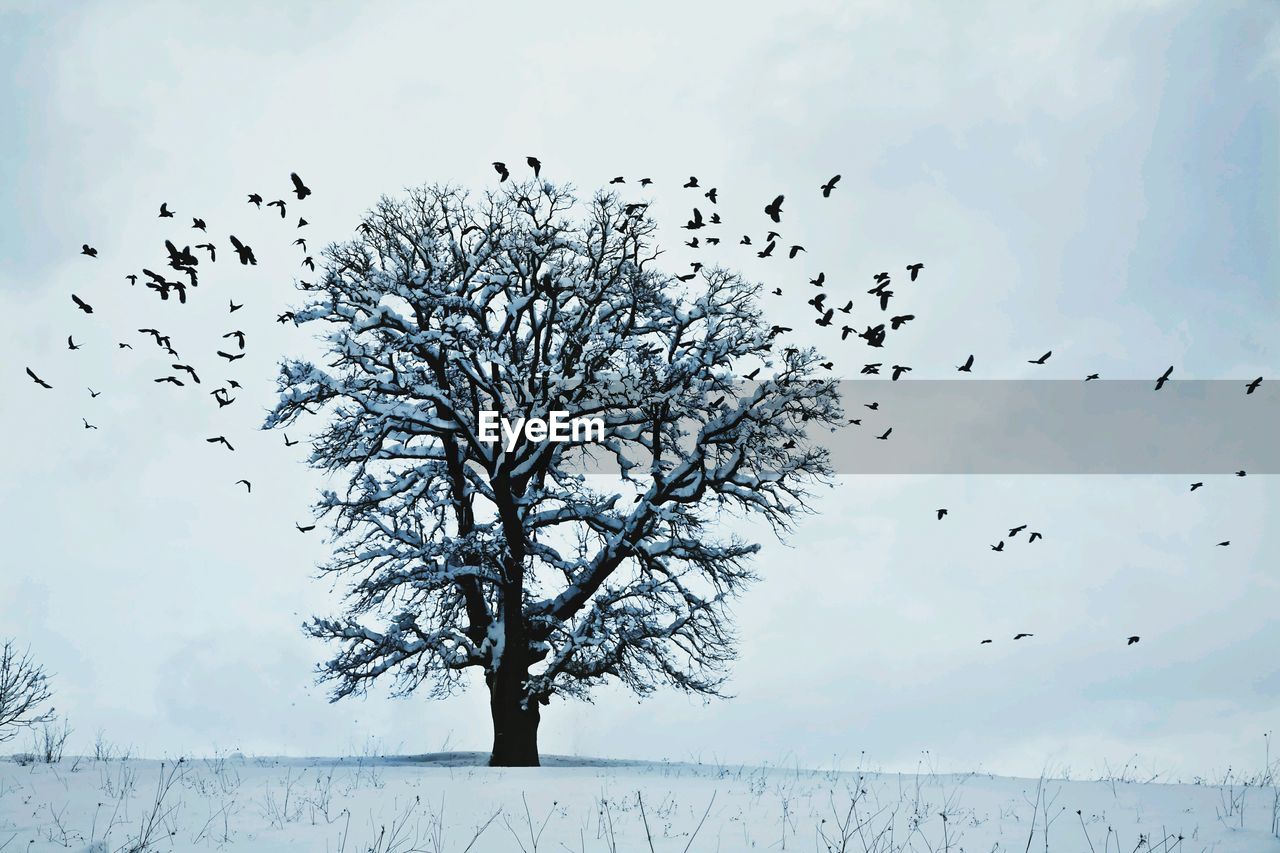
(829, 186)
(86, 249)
(287, 442)
(220, 439)
(133, 279)
(1164, 377)
(238, 335)
(229, 357)
(165, 212)
(999, 546)
(914, 269)
(885, 435)
(896, 323)
(774, 209)
(233, 306)
(172, 380)
(1224, 543)
(93, 395)
(501, 169)
(793, 251)
(967, 367)
(984, 642)
(245, 252)
(1253, 386)
(1041, 360)
(246, 484)
(81, 304)
(309, 263)
(1021, 636)
(1091, 377)
(1195, 486)
(209, 247)
(300, 189)
(278, 203)
(189, 370)
(898, 370)
(535, 164)
(691, 183)
(1129, 641)
(88, 425)
(711, 194)
(1014, 531)
(38, 380)
(255, 200)
(1034, 536)
(941, 513)
(197, 222)
(72, 345)
(302, 529)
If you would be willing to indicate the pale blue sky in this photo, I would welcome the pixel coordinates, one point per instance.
(1099, 179)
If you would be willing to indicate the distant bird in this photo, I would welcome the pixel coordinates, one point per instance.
(967, 367)
(1224, 544)
(133, 279)
(999, 546)
(501, 169)
(535, 164)
(309, 263)
(819, 281)
(873, 406)
(1021, 636)
(767, 250)
(93, 395)
(37, 379)
(1034, 536)
(300, 189)
(1014, 531)
(238, 335)
(302, 222)
(278, 203)
(165, 212)
(81, 304)
(233, 383)
(1129, 641)
(287, 442)
(286, 317)
(72, 345)
(941, 513)
(1041, 360)
(885, 435)
(848, 306)
(124, 346)
(211, 249)
(1253, 386)
(245, 253)
(825, 320)
(774, 209)
(829, 186)
(233, 306)
(696, 222)
(644, 182)
(896, 323)
(255, 200)
(1091, 376)
(711, 194)
(189, 370)
(793, 251)
(745, 241)
(1195, 486)
(898, 370)
(197, 222)
(220, 397)
(1164, 377)
(172, 380)
(618, 180)
(1240, 473)
(88, 425)
(984, 642)
(914, 269)
(220, 439)
(246, 484)
(229, 356)
(871, 369)
(302, 529)
(86, 249)
(885, 295)
(691, 183)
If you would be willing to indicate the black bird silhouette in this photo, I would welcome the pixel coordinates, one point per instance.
(233, 383)
(1034, 536)
(88, 425)
(1195, 486)
(81, 304)
(794, 250)
(767, 250)
(873, 406)
(777, 291)
(220, 439)
(287, 442)
(165, 212)
(898, 370)
(229, 357)
(692, 244)
(696, 222)
(158, 283)
(829, 186)
(72, 345)
(825, 319)
(501, 169)
(255, 200)
(774, 209)
(286, 317)
(1224, 543)
(161, 340)
(885, 436)
(967, 367)
(1253, 386)
(197, 222)
(872, 370)
(189, 370)
(309, 263)
(1041, 360)
(884, 299)
(278, 203)
(238, 335)
(300, 189)
(246, 484)
(896, 322)
(221, 398)
(848, 306)
(914, 269)
(302, 222)
(826, 365)
(711, 194)
(37, 379)
(1240, 473)
(86, 249)
(1164, 377)
(245, 252)
(817, 301)
(618, 180)
(233, 306)
(535, 164)
(752, 375)
(133, 279)
(1091, 376)
(689, 277)
(984, 642)
(820, 280)
(1014, 531)
(999, 546)
(302, 529)
(179, 259)
(1021, 636)
(172, 380)
(941, 513)
(209, 247)
(644, 182)
(93, 395)
(1129, 641)
(691, 183)
(745, 241)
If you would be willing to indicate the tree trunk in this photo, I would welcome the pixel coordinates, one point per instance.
(515, 727)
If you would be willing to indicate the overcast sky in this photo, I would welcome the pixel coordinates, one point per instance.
(1097, 179)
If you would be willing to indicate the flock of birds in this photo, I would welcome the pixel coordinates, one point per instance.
(186, 263)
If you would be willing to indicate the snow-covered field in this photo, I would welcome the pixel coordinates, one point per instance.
(451, 802)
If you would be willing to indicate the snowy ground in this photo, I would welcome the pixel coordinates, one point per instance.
(451, 802)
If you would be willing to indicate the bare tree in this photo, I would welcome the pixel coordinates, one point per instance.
(463, 552)
(24, 689)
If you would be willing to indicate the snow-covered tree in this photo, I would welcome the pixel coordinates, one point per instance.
(24, 690)
(462, 553)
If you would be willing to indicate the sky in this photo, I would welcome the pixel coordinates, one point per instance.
(1099, 179)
